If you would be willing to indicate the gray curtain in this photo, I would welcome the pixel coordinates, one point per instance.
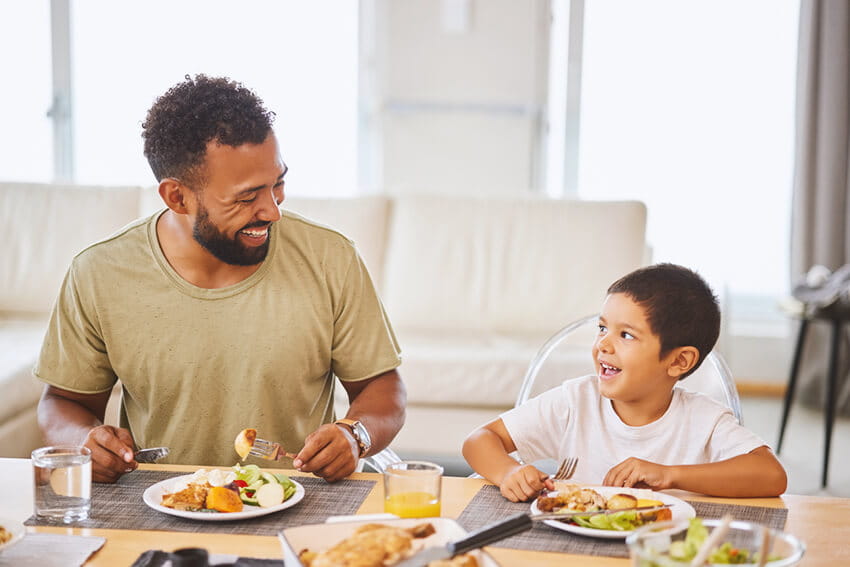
(820, 230)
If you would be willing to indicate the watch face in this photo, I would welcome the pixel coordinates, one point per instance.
(363, 436)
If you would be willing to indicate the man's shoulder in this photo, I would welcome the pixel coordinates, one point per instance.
(297, 225)
(119, 244)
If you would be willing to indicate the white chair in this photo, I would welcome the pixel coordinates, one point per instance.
(567, 354)
(379, 461)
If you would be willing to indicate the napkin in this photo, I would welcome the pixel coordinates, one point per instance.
(51, 550)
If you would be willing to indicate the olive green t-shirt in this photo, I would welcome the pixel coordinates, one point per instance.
(199, 365)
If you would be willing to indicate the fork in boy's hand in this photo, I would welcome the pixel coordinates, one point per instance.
(565, 471)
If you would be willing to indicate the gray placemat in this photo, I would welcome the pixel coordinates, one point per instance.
(490, 506)
(120, 506)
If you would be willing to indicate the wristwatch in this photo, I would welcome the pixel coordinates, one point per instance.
(358, 430)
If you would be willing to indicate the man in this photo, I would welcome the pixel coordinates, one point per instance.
(219, 313)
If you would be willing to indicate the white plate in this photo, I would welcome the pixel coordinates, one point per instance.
(319, 537)
(680, 509)
(15, 528)
(153, 498)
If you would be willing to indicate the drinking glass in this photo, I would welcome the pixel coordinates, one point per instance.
(650, 545)
(62, 476)
(412, 489)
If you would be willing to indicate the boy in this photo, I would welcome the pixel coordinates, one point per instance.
(628, 425)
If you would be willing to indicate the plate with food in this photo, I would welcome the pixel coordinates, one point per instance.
(11, 532)
(245, 491)
(381, 543)
(618, 525)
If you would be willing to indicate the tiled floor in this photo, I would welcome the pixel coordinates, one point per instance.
(802, 454)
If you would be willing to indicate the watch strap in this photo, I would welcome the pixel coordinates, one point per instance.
(351, 425)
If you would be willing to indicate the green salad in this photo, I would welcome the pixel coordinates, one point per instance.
(252, 482)
(726, 554)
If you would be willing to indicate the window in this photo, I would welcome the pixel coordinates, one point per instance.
(302, 63)
(27, 141)
(689, 107)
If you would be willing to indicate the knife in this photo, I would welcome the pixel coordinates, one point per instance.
(151, 455)
(513, 525)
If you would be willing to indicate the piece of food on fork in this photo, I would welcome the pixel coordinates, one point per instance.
(247, 443)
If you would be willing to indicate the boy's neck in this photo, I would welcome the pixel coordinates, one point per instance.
(642, 412)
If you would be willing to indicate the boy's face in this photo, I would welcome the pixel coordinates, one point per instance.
(626, 354)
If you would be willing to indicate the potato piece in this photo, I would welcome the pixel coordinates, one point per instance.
(269, 495)
(657, 516)
(244, 441)
(223, 499)
(621, 502)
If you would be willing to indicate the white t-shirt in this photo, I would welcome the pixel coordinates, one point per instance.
(575, 420)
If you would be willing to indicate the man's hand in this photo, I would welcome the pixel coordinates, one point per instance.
(330, 452)
(112, 452)
(523, 482)
(634, 472)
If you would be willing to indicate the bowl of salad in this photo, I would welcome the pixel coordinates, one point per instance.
(676, 544)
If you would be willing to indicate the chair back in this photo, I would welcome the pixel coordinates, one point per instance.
(567, 355)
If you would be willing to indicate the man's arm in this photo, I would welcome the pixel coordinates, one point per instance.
(69, 418)
(379, 404)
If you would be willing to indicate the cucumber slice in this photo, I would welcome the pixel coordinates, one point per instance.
(269, 495)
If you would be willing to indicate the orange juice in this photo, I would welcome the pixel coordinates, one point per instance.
(412, 505)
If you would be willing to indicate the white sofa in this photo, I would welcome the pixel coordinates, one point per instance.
(472, 286)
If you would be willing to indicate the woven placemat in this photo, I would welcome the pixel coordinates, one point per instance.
(120, 506)
(490, 506)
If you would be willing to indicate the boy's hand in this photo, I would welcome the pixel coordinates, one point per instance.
(523, 482)
(634, 472)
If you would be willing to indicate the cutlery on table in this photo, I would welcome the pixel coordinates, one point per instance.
(513, 525)
(151, 455)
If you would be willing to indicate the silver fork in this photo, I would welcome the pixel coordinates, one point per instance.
(269, 450)
(566, 469)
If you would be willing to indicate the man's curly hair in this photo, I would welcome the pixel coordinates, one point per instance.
(193, 113)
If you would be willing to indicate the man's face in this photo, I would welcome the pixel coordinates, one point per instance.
(239, 202)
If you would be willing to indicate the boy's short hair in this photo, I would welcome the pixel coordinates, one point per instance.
(680, 307)
(192, 113)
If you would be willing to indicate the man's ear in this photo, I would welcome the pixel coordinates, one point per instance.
(682, 360)
(174, 194)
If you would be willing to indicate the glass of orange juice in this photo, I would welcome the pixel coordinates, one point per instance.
(412, 489)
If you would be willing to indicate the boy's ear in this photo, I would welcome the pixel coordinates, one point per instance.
(682, 360)
(173, 194)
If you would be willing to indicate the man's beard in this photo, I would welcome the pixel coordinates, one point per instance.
(228, 250)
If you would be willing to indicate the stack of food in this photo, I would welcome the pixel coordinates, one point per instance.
(229, 491)
(378, 545)
(575, 498)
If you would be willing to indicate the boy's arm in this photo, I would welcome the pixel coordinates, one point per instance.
(487, 451)
(752, 475)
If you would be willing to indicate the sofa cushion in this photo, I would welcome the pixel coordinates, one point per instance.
(486, 371)
(43, 226)
(362, 219)
(505, 266)
(20, 343)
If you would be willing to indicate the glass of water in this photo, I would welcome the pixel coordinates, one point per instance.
(62, 477)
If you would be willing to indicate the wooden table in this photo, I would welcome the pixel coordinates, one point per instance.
(822, 523)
